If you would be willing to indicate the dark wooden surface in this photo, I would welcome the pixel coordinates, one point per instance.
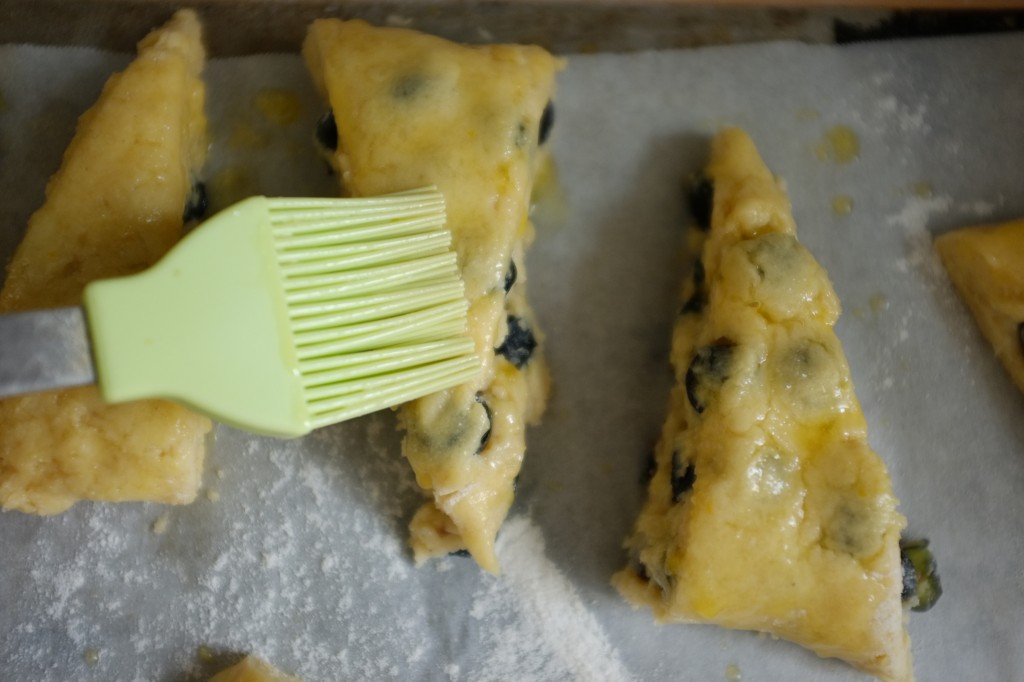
(235, 27)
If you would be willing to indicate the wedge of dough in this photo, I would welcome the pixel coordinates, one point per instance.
(768, 510)
(115, 207)
(252, 669)
(986, 265)
(409, 110)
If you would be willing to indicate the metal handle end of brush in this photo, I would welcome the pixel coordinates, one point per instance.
(44, 349)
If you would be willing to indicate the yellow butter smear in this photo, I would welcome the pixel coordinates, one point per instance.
(839, 144)
(280, 107)
(842, 204)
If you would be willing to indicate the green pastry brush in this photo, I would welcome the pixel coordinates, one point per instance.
(277, 316)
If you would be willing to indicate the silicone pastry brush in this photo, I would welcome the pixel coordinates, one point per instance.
(276, 316)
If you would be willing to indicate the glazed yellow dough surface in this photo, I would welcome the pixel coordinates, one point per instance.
(986, 265)
(252, 669)
(768, 511)
(414, 110)
(114, 208)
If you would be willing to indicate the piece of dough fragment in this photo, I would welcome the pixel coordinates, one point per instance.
(407, 110)
(768, 510)
(252, 669)
(115, 207)
(986, 265)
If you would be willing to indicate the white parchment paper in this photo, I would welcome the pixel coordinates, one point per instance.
(296, 550)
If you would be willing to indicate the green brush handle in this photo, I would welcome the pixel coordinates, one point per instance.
(202, 328)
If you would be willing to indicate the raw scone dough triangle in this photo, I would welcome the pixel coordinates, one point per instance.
(768, 511)
(986, 265)
(408, 110)
(252, 669)
(115, 207)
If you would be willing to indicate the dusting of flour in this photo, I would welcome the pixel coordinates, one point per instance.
(303, 561)
(913, 219)
(547, 633)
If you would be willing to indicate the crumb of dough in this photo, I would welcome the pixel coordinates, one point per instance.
(159, 525)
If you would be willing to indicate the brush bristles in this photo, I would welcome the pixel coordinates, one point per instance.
(436, 322)
(377, 309)
(387, 391)
(328, 314)
(349, 256)
(429, 269)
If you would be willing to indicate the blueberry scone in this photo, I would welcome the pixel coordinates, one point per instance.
(252, 669)
(986, 265)
(767, 510)
(407, 110)
(116, 205)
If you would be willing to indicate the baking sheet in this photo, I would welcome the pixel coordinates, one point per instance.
(295, 550)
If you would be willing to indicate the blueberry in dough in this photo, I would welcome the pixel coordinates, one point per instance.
(695, 303)
(809, 375)
(699, 273)
(909, 578)
(547, 122)
(650, 467)
(708, 370)
(702, 200)
(699, 299)
(327, 131)
(851, 529)
(511, 276)
(408, 86)
(682, 481)
(518, 345)
(197, 203)
(484, 439)
(927, 586)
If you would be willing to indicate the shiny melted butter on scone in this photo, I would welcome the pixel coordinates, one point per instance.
(411, 110)
(768, 510)
(986, 265)
(115, 207)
